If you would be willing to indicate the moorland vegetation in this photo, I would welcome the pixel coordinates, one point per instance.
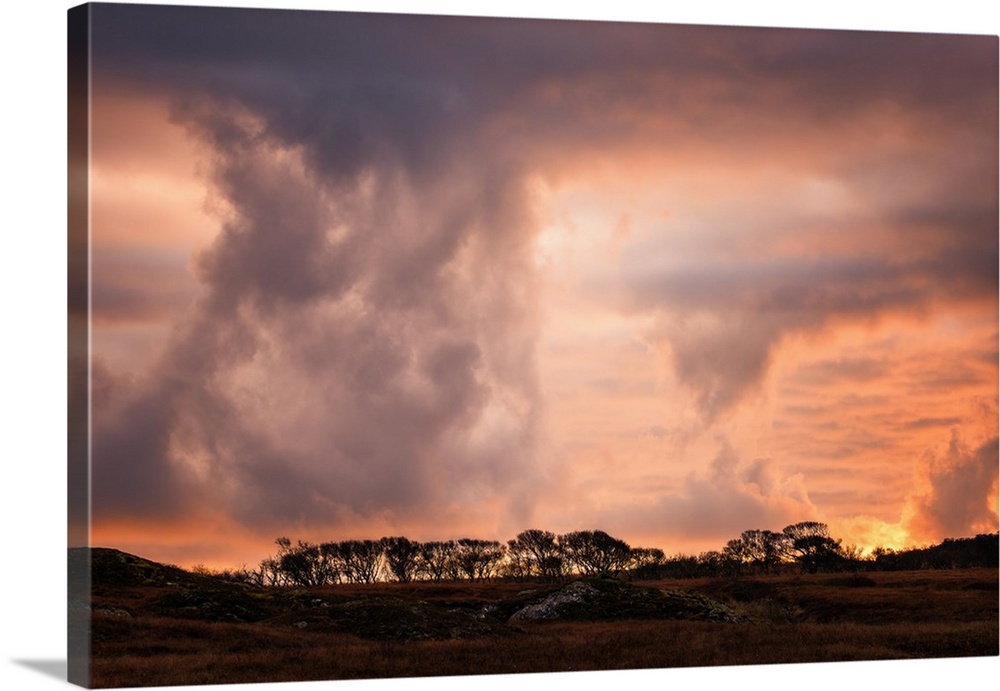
(151, 624)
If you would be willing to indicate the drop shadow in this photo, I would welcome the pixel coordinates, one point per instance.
(50, 668)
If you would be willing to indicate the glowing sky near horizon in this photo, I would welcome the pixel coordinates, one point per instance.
(361, 275)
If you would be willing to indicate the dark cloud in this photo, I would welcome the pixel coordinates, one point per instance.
(931, 422)
(321, 375)
(961, 495)
(131, 472)
(723, 319)
(363, 340)
(353, 85)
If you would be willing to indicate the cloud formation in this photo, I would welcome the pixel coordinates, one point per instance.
(456, 258)
(727, 495)
(959, 496)
(345, 350)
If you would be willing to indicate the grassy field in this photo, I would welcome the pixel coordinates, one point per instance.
(157, 627)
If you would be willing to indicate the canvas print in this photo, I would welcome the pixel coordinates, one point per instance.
(417, 346)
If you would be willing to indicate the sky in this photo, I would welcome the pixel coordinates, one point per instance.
(364, 275)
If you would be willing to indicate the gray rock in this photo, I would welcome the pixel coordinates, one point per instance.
(113, 611)
(551, 606)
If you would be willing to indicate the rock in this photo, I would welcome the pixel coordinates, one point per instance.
(611, 600)
(551, 606)
(113, 611)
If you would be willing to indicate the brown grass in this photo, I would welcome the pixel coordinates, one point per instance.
(793, 619)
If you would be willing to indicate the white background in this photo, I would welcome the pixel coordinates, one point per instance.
(33, 380)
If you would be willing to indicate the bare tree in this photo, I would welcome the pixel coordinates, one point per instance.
(401, 557)
(269, 573)
(434, 558)
(306, 564)
(594, 552)
(540, 552)
(478, 559)
(334, 561)
(362, 560)
(517, 565)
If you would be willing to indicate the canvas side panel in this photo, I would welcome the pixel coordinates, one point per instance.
(78, 351)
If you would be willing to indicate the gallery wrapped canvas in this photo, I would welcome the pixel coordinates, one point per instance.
(410, 345)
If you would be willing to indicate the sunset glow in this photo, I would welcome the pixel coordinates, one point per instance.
(365, 275)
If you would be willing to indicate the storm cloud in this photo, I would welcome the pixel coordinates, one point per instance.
(379, 328)
(365, 324)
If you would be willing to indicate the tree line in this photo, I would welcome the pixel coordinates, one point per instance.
(542, 555)
(532, 555)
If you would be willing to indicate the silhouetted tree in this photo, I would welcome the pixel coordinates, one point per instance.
(595, 552)
(284, 544)
(362, 560)
(880, 552)
(852, 558)
(810, 544)
(306, 564)
(756, 550)
(434, 558)
(477, 559)
(540, 552)
(271, 571)
(268, 573)
(770, 548)
(981, 550)
(242, 574)
(646, 562)
(517, 565)
(737, 553)
(334, 561)
(681, 566)
(401, 557)
(714, 563)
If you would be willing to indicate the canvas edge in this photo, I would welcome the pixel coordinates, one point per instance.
(78, 344)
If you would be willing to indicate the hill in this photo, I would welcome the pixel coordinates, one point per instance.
(134, 586)
(157, 625)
